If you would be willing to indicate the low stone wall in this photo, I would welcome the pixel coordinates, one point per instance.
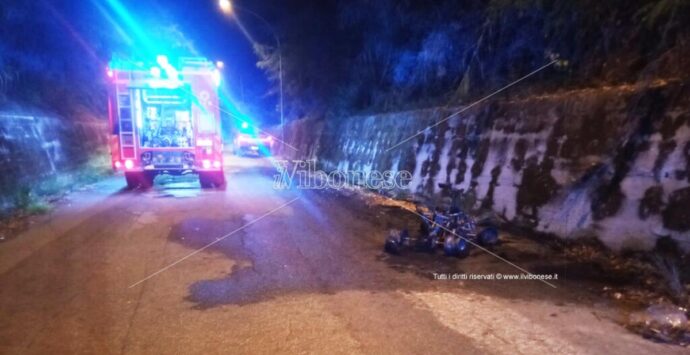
(36, 147)
(610, 162)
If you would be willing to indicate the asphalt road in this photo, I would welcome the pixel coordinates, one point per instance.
(95, 276)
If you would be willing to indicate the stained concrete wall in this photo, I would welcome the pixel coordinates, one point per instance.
(37, 146)
(611, 162)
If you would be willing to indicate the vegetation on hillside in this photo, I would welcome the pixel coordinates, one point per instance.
(342, 57)
(54, 54)
(50, 58)
(386, 55)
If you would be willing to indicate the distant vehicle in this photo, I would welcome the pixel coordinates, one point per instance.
(165, 119)
(249, 144)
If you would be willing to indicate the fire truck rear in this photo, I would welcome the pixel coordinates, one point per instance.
(165, 119)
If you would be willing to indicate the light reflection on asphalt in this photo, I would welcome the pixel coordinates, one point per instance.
(177, 186)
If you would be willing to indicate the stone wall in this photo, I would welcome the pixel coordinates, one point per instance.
(34, 147)
(611, 162)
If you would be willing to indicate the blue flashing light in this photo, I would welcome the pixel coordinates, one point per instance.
(245, 125)
(131, 23)
(162, 61)
(216, 77)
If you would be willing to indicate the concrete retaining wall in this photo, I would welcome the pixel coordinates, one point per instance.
(36, 147)
(610, 162)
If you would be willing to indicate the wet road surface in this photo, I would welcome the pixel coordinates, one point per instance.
(309, 277)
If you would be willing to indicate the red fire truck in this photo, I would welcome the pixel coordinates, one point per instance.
(165, 119)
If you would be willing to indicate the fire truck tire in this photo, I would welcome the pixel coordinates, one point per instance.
(212, 179)
(139, 179)
(132, 180)
(147, 180)
(204, 181)
(220, 181)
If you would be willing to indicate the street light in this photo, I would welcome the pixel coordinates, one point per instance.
(227, 8)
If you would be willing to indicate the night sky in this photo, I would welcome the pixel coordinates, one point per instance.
(217, 37)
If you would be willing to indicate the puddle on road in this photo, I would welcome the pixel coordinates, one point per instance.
(196, 233)
(279, 256)
(265, 268)
(276, 258)
(242, 285)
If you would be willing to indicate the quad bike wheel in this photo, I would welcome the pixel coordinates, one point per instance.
(450, 245)
(392, 246)
(430, 243)
(462, 248)
(396, 240)
(456, 246)
(488, 237)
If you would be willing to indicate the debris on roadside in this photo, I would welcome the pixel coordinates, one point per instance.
(650, 287)
(652, 284)
(663, 322)
(12, 225)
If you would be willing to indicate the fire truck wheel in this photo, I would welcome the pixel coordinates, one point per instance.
(132, 180)
(212, 179)
(219, 180)
(139, 179)
(147, 179)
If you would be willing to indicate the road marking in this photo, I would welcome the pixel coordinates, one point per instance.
(495, 326)
(215, 241)
(486, 250)
(473, 104)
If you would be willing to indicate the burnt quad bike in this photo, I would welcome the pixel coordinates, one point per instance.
(452, 230)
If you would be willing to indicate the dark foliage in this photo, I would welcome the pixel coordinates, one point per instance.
(51, 56)
(54, 53)
(341, 57)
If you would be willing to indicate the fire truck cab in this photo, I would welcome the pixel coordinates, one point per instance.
(165, 119)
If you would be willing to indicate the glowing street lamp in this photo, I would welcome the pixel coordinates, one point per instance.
(225, 6)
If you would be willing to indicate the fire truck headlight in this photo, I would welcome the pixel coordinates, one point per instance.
(204, 143)
(206, 164)
(129, 164)
(118, 165)
(216, 164)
